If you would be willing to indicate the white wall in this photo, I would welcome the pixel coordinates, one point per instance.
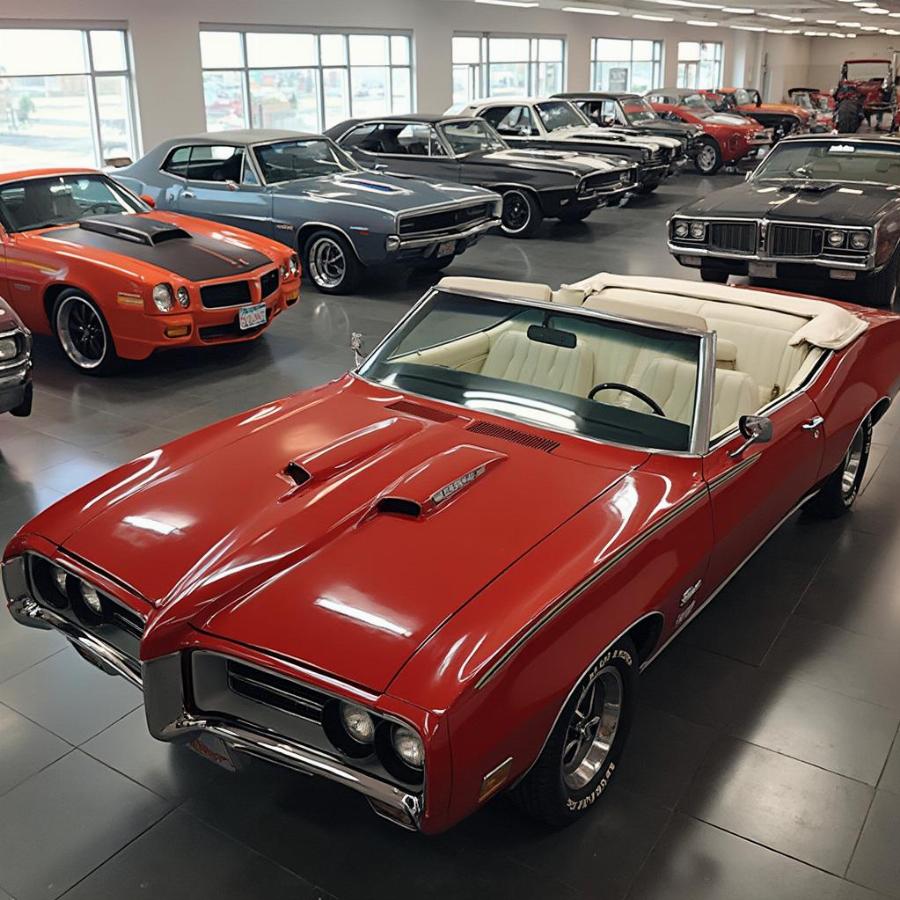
(827, 54)
(164, 36)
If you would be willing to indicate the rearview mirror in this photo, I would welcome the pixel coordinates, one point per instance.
(148, 200)
(756, 430)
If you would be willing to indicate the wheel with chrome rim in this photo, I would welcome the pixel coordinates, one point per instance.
(83, 334)
(582, 753)
(521, 215)
(840, 490)
(709, 158)
(331, 263)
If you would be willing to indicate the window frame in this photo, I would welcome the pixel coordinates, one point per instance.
(657, 63)
(320, 68)
(482, 68)
(717, 60)
(92, 74)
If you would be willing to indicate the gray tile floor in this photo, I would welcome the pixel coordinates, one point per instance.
(765, 761)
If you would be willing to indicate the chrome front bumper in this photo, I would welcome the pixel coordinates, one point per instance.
(867, 265)
(474, 231)
(164, 677)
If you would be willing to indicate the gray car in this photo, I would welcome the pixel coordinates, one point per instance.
(304, 191)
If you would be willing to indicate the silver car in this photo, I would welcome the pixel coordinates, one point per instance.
(304, 191)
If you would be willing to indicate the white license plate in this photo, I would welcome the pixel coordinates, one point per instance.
(446, 248)
(252, 316)
(762, 270)
(213, 748)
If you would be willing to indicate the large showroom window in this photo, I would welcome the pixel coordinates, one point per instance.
(625, 65)
(699, 64)
(303, 81)
(486, 65)
(65, 97)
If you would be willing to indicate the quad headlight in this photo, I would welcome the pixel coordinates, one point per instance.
(60, 579)
(8, 349)
(91, 598)
(408, 746)
(357, 722)
(698, 230)
(681, 229)
(859, 240)
(184, 299)
(162, 297)
(834, 238)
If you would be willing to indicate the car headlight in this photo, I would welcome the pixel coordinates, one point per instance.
(91, 598)
(392, 243)
(698, 230)
(357, 722)
(184, 298)
(294, 265)
(8, 349)
(408, 746)
(681, 229)
(859, 240)
(60, 579)
(834, 238)
(162, 297)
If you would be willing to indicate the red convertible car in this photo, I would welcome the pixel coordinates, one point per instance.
(729, 137)
(439, 576)
(84, 259)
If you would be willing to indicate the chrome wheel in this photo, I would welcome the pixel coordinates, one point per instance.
(592, 728)
(81, 332)
(706, 158)
(516, 212)
(327, 263)
(852, 463)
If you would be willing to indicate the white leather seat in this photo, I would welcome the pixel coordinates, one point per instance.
(514, 357)
(672, 383)
(736, 394)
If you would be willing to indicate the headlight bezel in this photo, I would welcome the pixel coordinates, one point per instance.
(681, 229)
(9, 342)
(866, 242)
(835, 238)
(163, 297)
(700, 227)
(182, 295)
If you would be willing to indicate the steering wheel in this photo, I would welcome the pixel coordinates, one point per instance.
(100, 207)
(617, 386)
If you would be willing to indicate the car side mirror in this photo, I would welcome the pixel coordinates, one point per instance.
(756, 430)
(358, 348)
(524, 131)
(231, 185)
(148, 200)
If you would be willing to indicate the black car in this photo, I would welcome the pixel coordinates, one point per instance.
(534, 184)
(15, 363)
(632, 114)
(819, 207)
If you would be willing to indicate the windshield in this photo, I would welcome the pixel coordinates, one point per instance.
(868, 71)
(468, 351)
(560, 114)
(289, 160)
(696, 102)
(471, 136)
(638, 110)
(833, 161)
(801, 98)
(62, 200)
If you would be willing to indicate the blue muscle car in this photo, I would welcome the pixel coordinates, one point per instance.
(306, 192)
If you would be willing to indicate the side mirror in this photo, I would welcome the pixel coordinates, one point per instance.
(524, 131)
(231, 185)
(756, 430)
(148, 200)
(356, 345)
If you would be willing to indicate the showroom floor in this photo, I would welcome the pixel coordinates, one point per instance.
(765, 761)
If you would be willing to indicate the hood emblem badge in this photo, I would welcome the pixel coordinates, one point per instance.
(455, 486)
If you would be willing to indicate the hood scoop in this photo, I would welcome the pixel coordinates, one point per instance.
(430, 486)
(809, 187)
(136, 229)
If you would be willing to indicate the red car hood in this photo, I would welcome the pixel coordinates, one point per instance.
(400, 522)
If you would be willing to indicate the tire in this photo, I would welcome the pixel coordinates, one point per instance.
(330, 263)
(83, 335)
(846, 116)
(571, 774)
(716, 276)
(24, 408)
(521, 216)
(570, 217)
(840, 490)
(880, 290)
(708, 160)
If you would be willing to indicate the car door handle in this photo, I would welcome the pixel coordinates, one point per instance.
(188, 195)
(814, 423)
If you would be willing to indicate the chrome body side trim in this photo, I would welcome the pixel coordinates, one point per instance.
(733, 472)
(571, 596)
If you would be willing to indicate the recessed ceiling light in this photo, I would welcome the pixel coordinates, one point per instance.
(792, 31)
(876, 11)
(739, 10)
(850, 24)
(519, 3)
(774, 31)
(826, 22)
(649, 18)
(686, 3)
(592, 10)
(836, 34)
(701, 23)
(894, 15)
(747, 27)
(869, 28)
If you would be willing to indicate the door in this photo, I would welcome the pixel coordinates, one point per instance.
(410, 148)
(220, 183)
(753, 491)
(514, 123)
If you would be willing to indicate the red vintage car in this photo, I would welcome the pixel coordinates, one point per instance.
(782, 118)
(438, 577)
(730, 137)
(867, 89)
(84, 259)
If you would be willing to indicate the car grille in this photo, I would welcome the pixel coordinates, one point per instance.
(795, 240)
(735, 237)
(607, 179)
(269, 282)
(273, 690)
(230, 330)
(233, 293)
(448, 220)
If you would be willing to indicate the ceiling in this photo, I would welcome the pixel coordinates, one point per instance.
(812, 18)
